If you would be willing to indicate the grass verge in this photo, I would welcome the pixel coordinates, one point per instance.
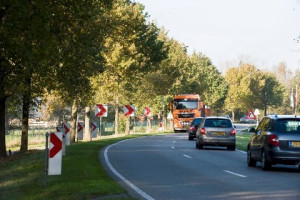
(22, 175)
(242, 141)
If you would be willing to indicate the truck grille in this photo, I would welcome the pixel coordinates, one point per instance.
(186, 115)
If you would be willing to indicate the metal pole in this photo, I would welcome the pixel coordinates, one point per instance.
(134, 124)
(100, 126)
(46, 159)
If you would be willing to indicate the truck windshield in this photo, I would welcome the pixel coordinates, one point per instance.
(185, 104)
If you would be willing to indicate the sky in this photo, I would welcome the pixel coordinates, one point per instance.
(260, 32)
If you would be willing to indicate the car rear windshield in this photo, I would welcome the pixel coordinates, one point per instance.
(197, 121)
(219, 123)
(288, 125)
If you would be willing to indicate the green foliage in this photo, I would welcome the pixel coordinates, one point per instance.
(251, 88)
(22, 176)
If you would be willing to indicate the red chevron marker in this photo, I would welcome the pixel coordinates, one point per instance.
(128, 110)
(67, 130)
(147, 112)
(80, 127)
(101, 110)
(93, 126)
(57, 145)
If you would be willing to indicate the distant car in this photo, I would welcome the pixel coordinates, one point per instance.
(245, 120)
(193, 127)
(276, 141)
(216, 131)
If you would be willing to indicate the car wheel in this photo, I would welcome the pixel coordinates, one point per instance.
(265, 165)
(250, 161)
(197, 144)
(200, 146)
(231, 147)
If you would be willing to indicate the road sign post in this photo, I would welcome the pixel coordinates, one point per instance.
(256, 113)
(101, 111)
(55, 154)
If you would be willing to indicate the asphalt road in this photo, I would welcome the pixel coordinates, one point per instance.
(170, 167)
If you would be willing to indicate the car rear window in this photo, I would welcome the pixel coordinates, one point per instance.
(197, 121)
(219, 123)
(288, 125)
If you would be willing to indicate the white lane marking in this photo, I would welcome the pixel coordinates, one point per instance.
(174, 141)
(240, 175)
(135, 188)
(187, 156)
(172, 147)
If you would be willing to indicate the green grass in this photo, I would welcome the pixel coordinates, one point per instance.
(22, 175)
(242, 140)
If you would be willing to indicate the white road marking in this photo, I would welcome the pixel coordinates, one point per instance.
(240, 175)
(135, 188)
(172, 147)
(187, 156)
(174, 141)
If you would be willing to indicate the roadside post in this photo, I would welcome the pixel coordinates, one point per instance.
(94, 129)
(55, 154)
(147, 114)
(80, 126)
(101, 111)
(46, 160)
(62, 130)
(129, 111)
(256, 113)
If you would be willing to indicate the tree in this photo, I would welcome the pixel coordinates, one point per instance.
(132, 50)
(270, 92)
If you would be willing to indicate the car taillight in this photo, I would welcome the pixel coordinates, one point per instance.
(273, 140)
(233, 131)
(192, 129)
(202, 131)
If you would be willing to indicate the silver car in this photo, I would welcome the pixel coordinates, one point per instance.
(216, 131)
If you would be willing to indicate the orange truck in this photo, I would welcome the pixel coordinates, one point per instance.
(185, 107)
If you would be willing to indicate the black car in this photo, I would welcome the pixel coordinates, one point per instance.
(193, 127)
(216, 131)
(276, 141)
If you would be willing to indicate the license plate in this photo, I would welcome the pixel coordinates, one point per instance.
(295, 144)
(219, 133)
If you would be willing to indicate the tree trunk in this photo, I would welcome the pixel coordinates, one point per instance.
(2, 127)
(265, 110)
(87, 121)
(25, 117)
(73, 121)
(116, 119)
(232, 112)
(127, 129)
(25, 111)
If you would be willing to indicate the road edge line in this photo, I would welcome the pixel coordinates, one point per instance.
(116, 173)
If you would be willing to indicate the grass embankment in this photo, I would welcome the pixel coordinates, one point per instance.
(22, 175)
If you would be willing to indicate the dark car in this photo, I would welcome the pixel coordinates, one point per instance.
(193, 127)
(216, 131)
(276, 141)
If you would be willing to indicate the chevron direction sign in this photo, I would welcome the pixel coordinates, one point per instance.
(101, 110)
(94, 129)
(55, 153)
(67, 128)
(147, 112)
(80, 126)
(129, 110)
